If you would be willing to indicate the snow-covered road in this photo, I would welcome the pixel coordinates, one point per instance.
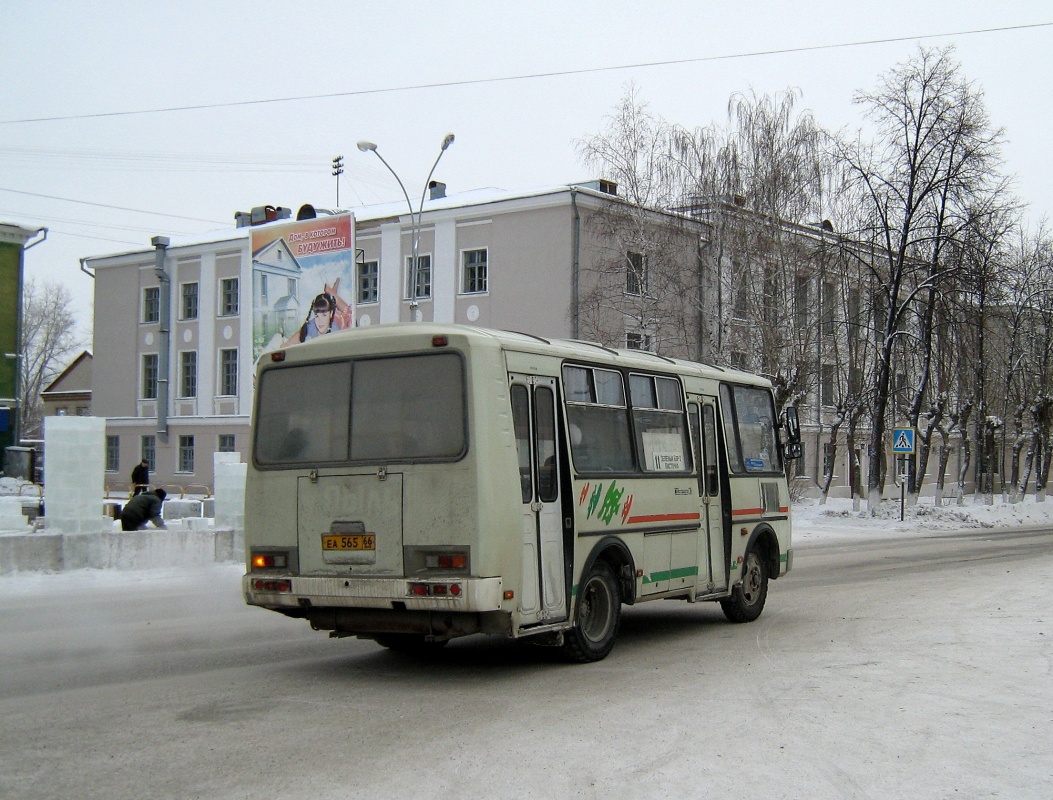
(886, 665)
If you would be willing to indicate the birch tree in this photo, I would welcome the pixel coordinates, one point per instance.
(49, 341)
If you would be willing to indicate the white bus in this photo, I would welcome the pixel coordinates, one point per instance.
(415, 483)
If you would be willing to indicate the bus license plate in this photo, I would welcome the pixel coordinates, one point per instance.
(355, 541)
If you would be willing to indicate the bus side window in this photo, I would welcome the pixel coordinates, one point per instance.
(731, 434)
(598, 420)
(658, 417)
(521, 422)
(545, 422)
(696, 440)
(709, 449)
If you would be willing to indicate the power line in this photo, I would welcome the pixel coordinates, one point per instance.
(84, 223)
(529, 76)
(60, 232)
(104, 205)
(64, 160)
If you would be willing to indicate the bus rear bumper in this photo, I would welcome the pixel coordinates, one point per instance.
(396, 594)
(372, 607)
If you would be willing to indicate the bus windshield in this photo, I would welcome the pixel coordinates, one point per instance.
(409, 408)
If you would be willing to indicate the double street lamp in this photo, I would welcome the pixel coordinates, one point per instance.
(415, 216)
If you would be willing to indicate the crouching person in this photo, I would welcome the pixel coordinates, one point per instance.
(143, 508)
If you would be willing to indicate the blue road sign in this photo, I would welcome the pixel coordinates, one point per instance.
(902, 441)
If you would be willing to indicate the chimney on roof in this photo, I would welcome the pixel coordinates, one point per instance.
(436, 190)
(600, 185)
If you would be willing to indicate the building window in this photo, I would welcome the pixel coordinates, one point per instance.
(739, 360)
(228, 374)
(828, 309)
(226, 443)
(228, 297)
(151, 304)
(148, 446)
(423, 288)
(369, 281)
(263, 284)
(149, 376)
(113, 453)
(83, 411)
(828, 459)
(800, 468)
(826, 385)
(189, 301)
(637, 341)
(61, 411)
(800, 302)
(635, 274)
(186, 454)
(473, 275)
(188, 373)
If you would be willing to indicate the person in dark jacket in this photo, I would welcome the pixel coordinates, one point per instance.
(140, 478)
(143, 508)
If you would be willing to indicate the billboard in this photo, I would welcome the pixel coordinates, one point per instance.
(303, 280)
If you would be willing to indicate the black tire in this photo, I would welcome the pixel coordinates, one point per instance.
(599, 615)
(413, 644)
(747, 599)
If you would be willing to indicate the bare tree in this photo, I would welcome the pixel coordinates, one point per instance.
(1027, 343)
(645, 281)
(935, 150)
(49, 340)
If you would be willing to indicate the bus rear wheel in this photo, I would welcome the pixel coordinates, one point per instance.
(747, 599)
(599, 615)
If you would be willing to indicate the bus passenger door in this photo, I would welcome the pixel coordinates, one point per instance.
(702, 412)
(542, 596)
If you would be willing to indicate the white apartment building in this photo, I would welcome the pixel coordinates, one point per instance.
(179, 325)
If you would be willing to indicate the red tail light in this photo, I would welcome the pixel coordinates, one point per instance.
(435, 589)
(261, 585)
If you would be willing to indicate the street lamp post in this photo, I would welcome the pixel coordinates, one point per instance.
(415, 216)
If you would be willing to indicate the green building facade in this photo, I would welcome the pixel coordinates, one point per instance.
(13, 244)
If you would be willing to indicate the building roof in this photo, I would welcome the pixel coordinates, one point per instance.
(77, 365)
(375, 213)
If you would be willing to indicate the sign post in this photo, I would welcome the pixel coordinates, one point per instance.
(902, 446)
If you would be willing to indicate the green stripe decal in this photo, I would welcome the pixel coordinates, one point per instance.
(655, 577)
(668, 575)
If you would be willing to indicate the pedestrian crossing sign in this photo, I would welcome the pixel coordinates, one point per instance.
(903, 441)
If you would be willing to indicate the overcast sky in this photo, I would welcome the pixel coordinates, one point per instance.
(77, 66)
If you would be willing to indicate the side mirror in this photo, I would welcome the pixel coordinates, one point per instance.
(793, 433)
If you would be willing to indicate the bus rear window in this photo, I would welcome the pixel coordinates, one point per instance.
(375, 410)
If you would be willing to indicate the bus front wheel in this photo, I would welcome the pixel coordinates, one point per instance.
(747, 599)
(599, 615)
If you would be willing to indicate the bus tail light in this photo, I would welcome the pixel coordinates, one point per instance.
(266, 585)
(435, 589)
(446, 561)
(270, 560)
(444, 558)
